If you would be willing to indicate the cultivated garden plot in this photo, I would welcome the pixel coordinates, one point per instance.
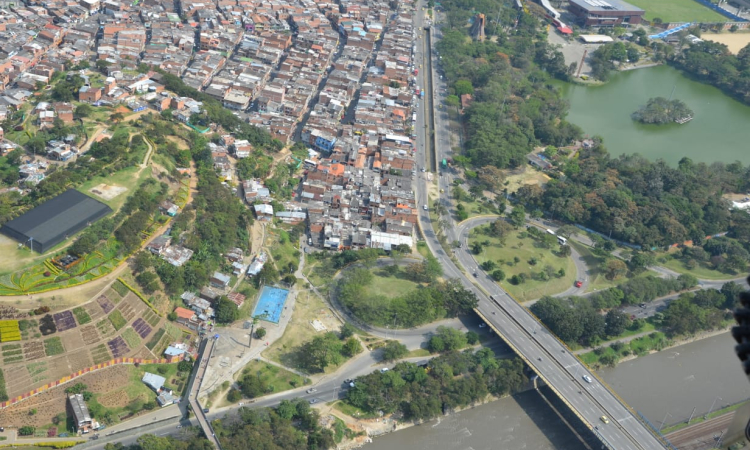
(105, 327)
(100, 354)
(131, 338)
(33, 350)
(37, 371)
(53, 401)
(53, 346)
(106, 304)
(64, 320)
(141, 327)
(89, 334)
(11, 353)
(82, 316)
(118, 347)
(117, 320)
(151, 317)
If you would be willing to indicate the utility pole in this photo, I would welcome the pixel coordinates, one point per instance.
(691, 416)
(712, 407)
(663, 421)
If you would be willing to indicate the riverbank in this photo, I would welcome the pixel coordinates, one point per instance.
(373, 428)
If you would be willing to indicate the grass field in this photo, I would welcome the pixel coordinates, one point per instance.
(279, 379)
(389, 286)
(678, 11)
(700, 271)
(126, 178)
(524, 249)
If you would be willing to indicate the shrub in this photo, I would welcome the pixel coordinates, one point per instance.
(234, 395)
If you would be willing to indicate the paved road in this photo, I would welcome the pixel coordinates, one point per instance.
(541, 350)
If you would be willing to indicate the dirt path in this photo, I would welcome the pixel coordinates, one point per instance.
(97, 131)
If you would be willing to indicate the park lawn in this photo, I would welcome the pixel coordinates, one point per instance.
(700, 271)
(525, 249)
(128, 178)
(389, 286)
(420, 352)
(280, 379)
(678, 11)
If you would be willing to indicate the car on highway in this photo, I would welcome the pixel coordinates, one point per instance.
(604, 419)
(587, 379)
(578, 283)
(311, 390)
(425, 207)
(205, 410)
(475, 275)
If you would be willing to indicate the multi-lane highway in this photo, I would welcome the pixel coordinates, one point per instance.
(593, 402)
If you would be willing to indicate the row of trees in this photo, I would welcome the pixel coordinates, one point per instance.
(640, 290)
(450, 381)
(422, 305)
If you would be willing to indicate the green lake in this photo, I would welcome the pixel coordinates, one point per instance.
(719, 131)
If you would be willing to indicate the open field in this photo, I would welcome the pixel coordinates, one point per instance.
(678, 11)
(128, 179)
(514, 259)
(735, 41)
(307, 307)
(701, 271)
(389, 286)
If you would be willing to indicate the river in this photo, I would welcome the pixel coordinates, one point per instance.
(718, 132)
(666, 384)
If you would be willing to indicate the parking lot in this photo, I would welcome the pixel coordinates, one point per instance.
(573, 50)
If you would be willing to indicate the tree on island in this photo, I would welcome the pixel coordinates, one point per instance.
(659, 110)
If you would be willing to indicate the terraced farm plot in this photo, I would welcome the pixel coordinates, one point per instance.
(64, 320)
(131, 307)
(89, 334)
(155, 339)
(141, 327)
(94, 311)
(105, 303)
(9, 331)
(82, 316)
(17, 380)
(118, 347)
(120, 288)
(100, 354)
(105, 327)
(117, 320)
(33, 350)
(37, 371)
(131, 338)
(151, 317)
(53, 346)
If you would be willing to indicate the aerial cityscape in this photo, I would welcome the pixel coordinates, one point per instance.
(290, 224)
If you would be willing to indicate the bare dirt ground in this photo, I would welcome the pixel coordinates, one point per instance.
(106, 191)
(735, 41)
(524, 176)
(573, 50)
(52, 402)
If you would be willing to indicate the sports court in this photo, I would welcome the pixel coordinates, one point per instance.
(270, 304)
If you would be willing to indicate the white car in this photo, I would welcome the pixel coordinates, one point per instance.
(384, 370)
(425, 207)
(587, 379)
(311, 390)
